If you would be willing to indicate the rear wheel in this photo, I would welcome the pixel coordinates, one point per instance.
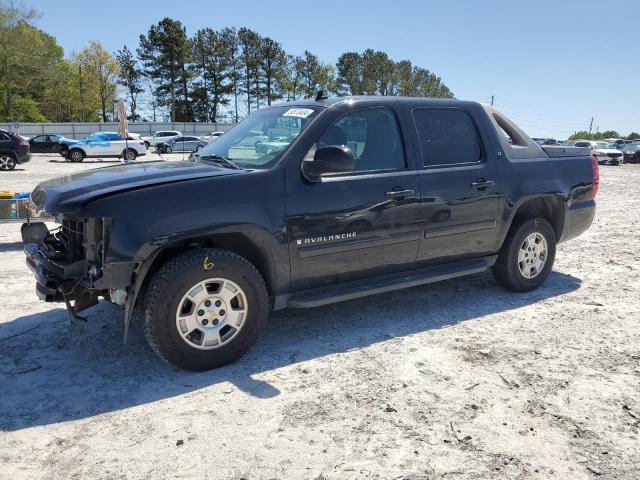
(198, 148)
(204, 309)
(76, 155)
(131, 154)
(527, 255)
(7, 161)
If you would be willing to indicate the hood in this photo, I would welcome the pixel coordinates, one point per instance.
(70, 193)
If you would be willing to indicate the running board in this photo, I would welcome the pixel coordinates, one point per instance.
(361, 288)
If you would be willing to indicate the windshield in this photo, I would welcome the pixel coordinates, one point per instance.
(633, 147)
(260, 139)
(603, 145)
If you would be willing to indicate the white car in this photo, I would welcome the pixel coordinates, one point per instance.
(213, 137)
(160, 137)
(106, 145)
(603, 151)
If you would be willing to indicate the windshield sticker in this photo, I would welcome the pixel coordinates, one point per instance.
(298, 112)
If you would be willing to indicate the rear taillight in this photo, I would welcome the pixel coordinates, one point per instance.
(24, 143)
(141, 142)
(596, 176)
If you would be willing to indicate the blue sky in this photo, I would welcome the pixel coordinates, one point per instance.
(552, 65)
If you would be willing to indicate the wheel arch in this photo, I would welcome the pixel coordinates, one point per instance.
(72, 148)
(549, 207)
(242, 243)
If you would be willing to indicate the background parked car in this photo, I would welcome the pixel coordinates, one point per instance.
(48, 143)
(161, 136)
(13, 150)
(213, 137)
(182, 144)
(106, 144)
(603, 151)
(631, 152)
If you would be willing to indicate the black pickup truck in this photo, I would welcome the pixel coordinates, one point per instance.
(305, 204)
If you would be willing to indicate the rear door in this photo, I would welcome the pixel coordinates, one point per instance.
(459, 204)
(361, 223)
(190, 144)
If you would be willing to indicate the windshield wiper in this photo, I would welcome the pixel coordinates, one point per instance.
(219, 159)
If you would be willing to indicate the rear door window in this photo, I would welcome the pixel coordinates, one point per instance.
(448, 137)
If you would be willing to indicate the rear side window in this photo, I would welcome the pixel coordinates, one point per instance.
(373, 136)
(447, 136)
(4, 137)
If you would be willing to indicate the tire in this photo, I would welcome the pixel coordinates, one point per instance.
(167, 149)
(130, 154)
(198, 148)
(167, 304)
(76, 155)
(7, 162)
(147, 145)
(520, 255)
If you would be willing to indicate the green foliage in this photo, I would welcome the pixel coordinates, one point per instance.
(98, 72)
(374, 73)
(584, 135)
(165, 53)
(26, 110)
(131, 78)
(28, 59)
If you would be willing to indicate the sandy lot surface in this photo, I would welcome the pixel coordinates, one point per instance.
(458, 380)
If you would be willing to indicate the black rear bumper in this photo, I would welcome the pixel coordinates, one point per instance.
(578, 219)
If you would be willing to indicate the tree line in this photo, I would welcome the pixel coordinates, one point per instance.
(211, 75)
(584, 135)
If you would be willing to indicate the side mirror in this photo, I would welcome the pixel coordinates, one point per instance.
(330, 159)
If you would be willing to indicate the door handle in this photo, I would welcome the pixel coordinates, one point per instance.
(482, 183)
(398, 194)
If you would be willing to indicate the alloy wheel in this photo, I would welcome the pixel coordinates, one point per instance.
(211, 313)
(7, 162)
(532, 256)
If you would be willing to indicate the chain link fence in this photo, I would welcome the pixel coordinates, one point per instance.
(79, 130)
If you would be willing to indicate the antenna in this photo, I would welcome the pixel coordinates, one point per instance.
(320, 96)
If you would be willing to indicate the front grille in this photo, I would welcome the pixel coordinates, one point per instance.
(614, 155)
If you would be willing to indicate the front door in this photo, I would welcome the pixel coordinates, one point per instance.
(359, 224)
(459, 203)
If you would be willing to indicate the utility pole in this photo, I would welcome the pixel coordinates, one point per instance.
(492, 100)
(590, 125)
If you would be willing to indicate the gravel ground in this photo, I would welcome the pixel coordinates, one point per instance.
(457, 380)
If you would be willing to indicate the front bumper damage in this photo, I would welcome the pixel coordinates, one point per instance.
(70, 266)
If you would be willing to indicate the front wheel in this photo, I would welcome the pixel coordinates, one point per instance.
(147, 145)
(167, 149)
(527, 255)
(204, 309)
(76, 156)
